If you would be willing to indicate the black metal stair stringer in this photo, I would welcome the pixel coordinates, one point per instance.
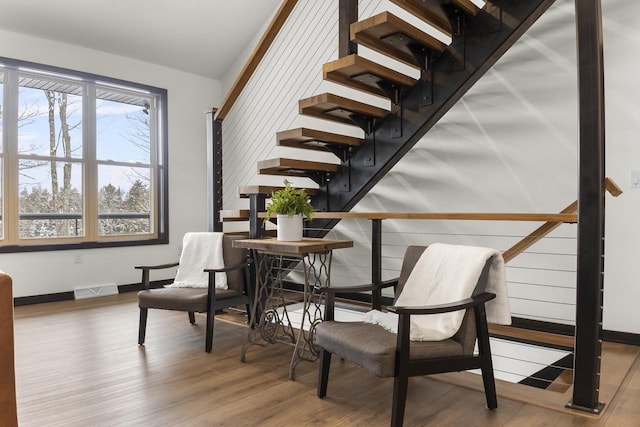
(484, 46)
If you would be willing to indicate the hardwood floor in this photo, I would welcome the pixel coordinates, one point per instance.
(78, 364)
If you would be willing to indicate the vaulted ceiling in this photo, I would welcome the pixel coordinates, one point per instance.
(202, 37)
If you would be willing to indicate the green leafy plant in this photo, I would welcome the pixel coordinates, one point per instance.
(289, 201)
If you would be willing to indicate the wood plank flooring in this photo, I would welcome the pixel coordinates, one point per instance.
(78, 364)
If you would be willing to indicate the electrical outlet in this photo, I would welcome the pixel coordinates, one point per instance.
(634, 179)
(77, 257)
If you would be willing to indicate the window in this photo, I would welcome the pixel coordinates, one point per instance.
(82, 160)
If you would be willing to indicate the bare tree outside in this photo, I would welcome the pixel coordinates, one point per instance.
(131, 136)
(26, 117)
(51, 187)
(63, 202)
(51, 100)
(139, 131)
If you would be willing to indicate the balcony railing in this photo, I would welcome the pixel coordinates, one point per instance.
(77, 217)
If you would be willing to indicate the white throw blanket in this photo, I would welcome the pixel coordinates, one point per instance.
(444, 274)
(200, 251)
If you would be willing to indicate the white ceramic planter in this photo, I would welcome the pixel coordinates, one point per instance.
(289, 228)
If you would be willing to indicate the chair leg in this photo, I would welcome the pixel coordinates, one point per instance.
(484, 348)
(323, 373)
(209, 336)
(192, 318)
(142, 326)
(400, 386)
(489, 386)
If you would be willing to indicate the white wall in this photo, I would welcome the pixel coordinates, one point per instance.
(622, 59)
(189, 96)
(510, 145)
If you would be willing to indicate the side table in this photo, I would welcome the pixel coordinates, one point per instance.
(270, 321)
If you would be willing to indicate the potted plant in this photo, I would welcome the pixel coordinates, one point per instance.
(289, 205)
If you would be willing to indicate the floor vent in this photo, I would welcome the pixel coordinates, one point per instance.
(92, 291)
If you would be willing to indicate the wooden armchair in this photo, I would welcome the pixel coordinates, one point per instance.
(199, 300)
(386, 354)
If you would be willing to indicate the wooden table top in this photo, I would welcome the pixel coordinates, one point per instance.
(306, 246)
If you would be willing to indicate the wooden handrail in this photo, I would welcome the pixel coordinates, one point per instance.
(552, 221)
(515, 250)
(256, 56)
(538, 234)
(567, 215)
(611, 186)
(471, 216)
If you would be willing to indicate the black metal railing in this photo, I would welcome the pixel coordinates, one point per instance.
(78, 217)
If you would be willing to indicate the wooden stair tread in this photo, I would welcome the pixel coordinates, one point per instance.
(467, 6)
(432, 13)
(246, 190)
(360, 73)
(294, 167)
(231, 215)
(429, 11)
(336, 108)
(312, 139)
(390, 35)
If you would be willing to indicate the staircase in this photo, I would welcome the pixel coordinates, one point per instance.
(479, 37)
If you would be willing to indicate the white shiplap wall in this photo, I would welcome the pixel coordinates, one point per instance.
(269, 103)
(510, 145)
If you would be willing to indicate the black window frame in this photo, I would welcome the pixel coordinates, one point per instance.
(161, 171)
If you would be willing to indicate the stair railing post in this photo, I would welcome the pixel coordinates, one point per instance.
(590, 263)
(256, 205)
(214, 168)
(376, 262)
(347, 15)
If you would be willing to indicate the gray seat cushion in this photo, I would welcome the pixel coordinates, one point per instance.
(182, 299)
(374, 348)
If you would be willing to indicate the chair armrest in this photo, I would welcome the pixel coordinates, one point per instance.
(358, 288)
(230, 268)
(156, 267)
(212, 278)
(445, 308)
(332, 292)
(145, 272)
